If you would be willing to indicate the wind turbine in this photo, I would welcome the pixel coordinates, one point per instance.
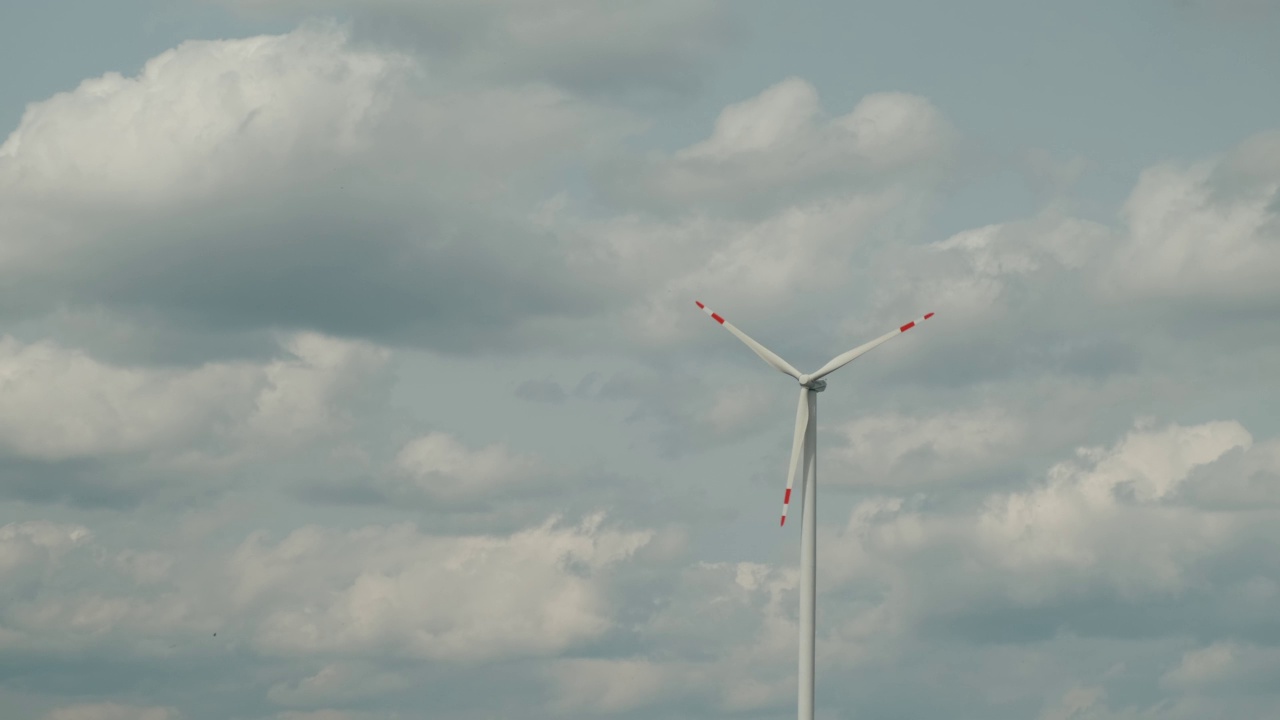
(804, 448)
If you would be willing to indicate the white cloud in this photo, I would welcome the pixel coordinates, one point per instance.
(883, 130)
(379, 591)
(779, 203)
(780, 147)
(304, 395)
(1114, 522)
(220, 115)
(777, 115)
(1187, 233)
(1224, 667)
(1201, 666)
(37, 542)
(439, 464)
(982, 276)
(1077, 523)
(893, 447)
(60, 403)
(1208, 230)
(201, 116)
(339, 596)
(746, 269)
(115, 196)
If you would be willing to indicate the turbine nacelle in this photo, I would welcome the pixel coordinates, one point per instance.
(817, 385)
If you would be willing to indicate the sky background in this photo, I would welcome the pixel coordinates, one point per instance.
(350, 367)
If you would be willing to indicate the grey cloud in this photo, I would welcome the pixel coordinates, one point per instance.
(685, 412)
(260, 224)
(84, 483)
(589, 48)
(1241, 480)
(525, 495)
(541, 391)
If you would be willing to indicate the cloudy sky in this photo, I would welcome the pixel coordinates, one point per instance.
(349, 365)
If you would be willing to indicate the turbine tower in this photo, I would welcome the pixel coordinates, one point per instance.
(804, 451)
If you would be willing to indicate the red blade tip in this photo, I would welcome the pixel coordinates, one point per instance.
(928, 315)
(784, 521)
(699, 302)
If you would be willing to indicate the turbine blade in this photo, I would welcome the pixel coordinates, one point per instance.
(840, 361)
(797, 449)
(765, 353)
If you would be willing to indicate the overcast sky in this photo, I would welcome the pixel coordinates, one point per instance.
(350, 367)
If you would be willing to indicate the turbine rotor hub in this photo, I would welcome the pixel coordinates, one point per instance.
(814, 385)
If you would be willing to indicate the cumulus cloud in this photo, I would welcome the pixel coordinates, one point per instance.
(1069, 523)
(1200, 237)
(1110, 530)
(37, 542)
(1224, 668)
(896, 448)
(228, 186)
(984, 277)
(401, 256)
(443, 467)
(1068, 561)
(775, 210)
(377, 591)
(747, 270)
(60, 403)
(780, 146)
(1113, 527)
(1204, 232)
(462, 486)
(263, 102)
